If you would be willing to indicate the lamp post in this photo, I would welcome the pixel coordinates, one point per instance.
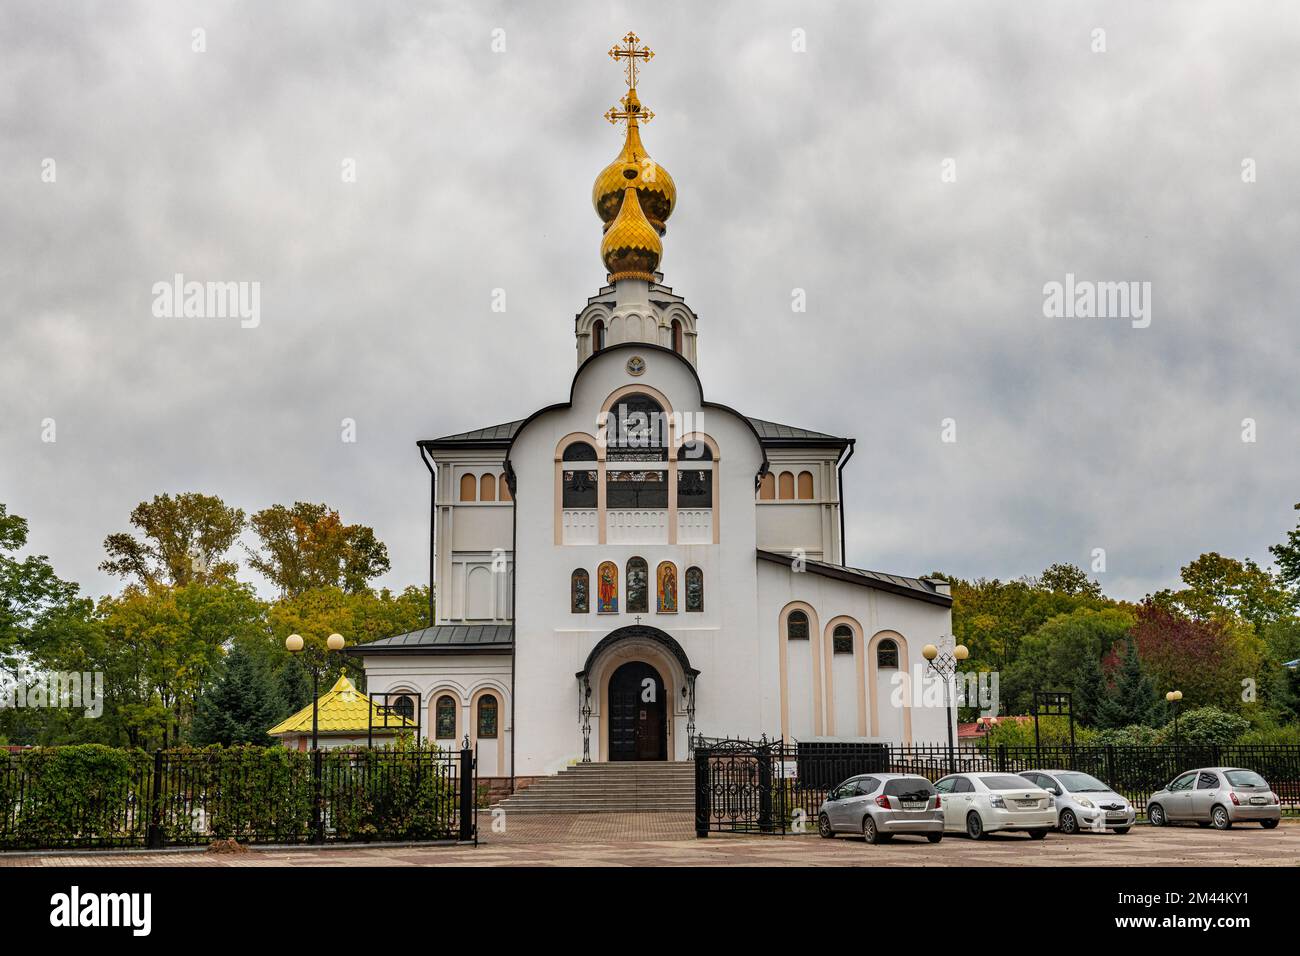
(986, 725)
(294, 644)
(1174, 697)
(945, 666)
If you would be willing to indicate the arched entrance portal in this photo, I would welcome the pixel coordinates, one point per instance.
(638, 713)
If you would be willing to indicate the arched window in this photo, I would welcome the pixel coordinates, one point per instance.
(842, 639)
(638, 586)
(796, 626)
(468, 488)
(487, 717)
(579, 482)
(637, 423)
(785, 486)
(677, 336)
(667, 577)
(579, 592)
(767, 487)
(598, 335)
(694, 589)
(805, 485)
(444, 718)
(694, 485)
(607, 588)
(403, 707)
(487, 488)
(503, 489)
(887, 654)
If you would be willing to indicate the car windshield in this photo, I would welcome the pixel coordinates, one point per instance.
(1082, 783)
(1005, 782)
(1245, 778)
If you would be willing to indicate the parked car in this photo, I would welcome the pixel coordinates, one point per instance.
(882, 805)
(980, 803)
(1218, 797)
(1083, 801)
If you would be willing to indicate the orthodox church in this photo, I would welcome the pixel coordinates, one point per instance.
(638, 563)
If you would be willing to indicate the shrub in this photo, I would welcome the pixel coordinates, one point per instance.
(1205, 725)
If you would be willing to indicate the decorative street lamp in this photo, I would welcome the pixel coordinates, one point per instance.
(294, 644)
(1174, 697)
(945, 666)
(986, 725)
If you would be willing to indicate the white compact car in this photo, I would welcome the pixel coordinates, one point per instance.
(1084, 802)
(980, 803)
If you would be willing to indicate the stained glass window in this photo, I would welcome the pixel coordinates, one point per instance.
(487, 717)
(667, 577)
(694, 589)
(607, 588)
(638, 586)
(580, 592)
(842, 639)
(444, 720)
(796, 626)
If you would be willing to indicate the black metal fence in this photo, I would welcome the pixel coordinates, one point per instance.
(110, 798)
(746, 786)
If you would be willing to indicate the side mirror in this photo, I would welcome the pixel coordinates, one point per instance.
(1054, 791)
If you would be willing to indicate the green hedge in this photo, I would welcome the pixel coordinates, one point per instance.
(91, 795)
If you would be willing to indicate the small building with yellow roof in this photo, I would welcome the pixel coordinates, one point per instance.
(345, 718)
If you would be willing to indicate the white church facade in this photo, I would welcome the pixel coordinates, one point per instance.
(638, 564)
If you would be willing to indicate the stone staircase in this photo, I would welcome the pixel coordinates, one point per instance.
(622, 787)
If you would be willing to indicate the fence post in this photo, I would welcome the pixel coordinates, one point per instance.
(1110, 764)
(154, 839)
(318, 816)
(1002, 758)
(467, 796)
(765, 791)
(702, 809)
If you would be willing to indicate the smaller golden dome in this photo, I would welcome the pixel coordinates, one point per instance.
(631, 248)
(634, 167)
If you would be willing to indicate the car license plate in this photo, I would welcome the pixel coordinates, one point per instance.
(1258, 800)
(1116, 815)
(1026, 803)
(914, 805)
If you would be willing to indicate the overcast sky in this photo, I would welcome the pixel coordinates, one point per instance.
(821, 170)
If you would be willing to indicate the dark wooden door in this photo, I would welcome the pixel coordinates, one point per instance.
(637, 725)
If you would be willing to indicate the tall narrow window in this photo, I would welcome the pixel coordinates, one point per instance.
(805, 485)
(638, 586)
(607, 588)
(579, 476)
(887, 654)
(842, 639)
(796, 626)
(487, 717)
(579, 592)
(503, 489)
(767, 487)
(444, 720)
(785, 486)
(468, 488)
(598, 335)
(694, 589)
(667, 603)
(677, 336)
(487, 488)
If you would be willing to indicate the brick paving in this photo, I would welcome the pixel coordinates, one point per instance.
(667, 839)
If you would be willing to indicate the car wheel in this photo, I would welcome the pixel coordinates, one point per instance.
(1219, 817)
(824, 827)
(1069, 823)
(869, 831)
(1268, 824)
(936, 837)
(1121, 830)
(1156, 814)
(974, 826)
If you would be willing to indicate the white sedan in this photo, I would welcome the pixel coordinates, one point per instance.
(980, 803)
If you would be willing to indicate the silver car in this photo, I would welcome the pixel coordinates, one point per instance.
(1218, 797)
(1083, 801)
(881, 805)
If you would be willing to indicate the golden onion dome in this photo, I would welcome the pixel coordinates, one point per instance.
(631, 248)
(634, 167)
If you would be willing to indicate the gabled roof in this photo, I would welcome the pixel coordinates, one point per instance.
(769, 433)
(923, 589)
(342, 709)
(443, 639)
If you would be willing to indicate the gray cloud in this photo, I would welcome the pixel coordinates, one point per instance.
(817, 170)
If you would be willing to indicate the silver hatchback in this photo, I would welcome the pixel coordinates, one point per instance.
(881, 805)
(1218, 797)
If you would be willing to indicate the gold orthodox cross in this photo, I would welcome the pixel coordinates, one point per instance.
(631, 52)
